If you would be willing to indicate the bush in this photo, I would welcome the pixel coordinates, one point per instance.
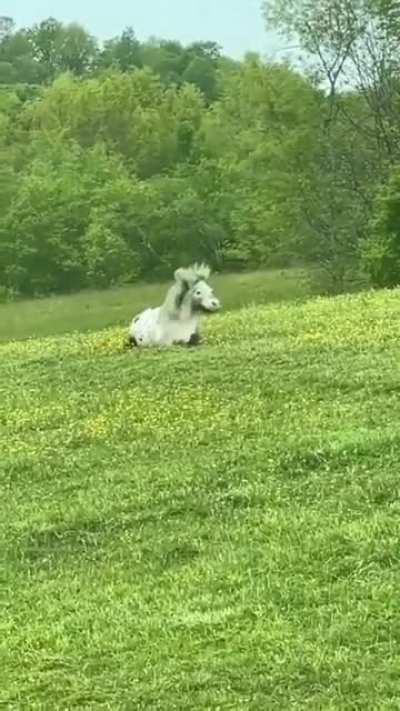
(381, 251)
(108, 259)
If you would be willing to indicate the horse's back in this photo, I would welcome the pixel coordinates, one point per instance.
(143, 330)
(153, 328)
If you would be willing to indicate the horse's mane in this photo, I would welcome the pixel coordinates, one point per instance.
(185, 279)
(190, 275)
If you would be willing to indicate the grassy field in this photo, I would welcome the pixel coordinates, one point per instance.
(215, 528)
(93, 310)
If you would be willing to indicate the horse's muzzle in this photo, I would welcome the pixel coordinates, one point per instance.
(215, 305)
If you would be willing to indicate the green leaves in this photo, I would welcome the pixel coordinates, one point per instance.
(61, 48)
(157, 153)
(381, 251)
(131, 113)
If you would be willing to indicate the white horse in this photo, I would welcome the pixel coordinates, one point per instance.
(177, 320)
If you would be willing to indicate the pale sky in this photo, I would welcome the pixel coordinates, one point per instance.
(237, 25)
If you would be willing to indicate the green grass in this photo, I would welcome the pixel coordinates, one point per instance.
(93, 310)
(215, 528)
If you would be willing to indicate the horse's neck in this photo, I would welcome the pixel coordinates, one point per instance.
(171, 310)
(185, 313)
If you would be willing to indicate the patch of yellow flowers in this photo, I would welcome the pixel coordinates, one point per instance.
(208, 402)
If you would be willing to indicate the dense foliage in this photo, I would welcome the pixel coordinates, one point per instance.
(119, 160)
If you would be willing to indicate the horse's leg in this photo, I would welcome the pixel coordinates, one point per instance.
(131, 342)
(194, 339)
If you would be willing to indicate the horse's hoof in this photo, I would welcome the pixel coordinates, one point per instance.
(194, 340)
(131, 342)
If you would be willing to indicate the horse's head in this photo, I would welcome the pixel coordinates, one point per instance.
(197, 289)
(203, 297)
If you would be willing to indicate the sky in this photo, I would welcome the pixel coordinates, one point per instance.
(237, 25)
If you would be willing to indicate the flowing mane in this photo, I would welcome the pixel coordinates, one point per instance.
(178, 295)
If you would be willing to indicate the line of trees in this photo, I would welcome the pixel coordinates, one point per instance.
(118, 161)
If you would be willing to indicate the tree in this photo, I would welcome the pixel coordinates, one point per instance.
(107, 257)
(6, 27)
(352, 43)
(122, 52)
(131, 112)
(381, 251)
(60, 48)
(262, 134)
(17, 61)
(112, 171)
(202, 73)
(352, 48)
(50, 232)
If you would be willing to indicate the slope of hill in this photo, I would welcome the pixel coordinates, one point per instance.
(93, 310)
(211, 528)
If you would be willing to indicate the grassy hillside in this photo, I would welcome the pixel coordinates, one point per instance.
(93, 310)
(204, 529)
